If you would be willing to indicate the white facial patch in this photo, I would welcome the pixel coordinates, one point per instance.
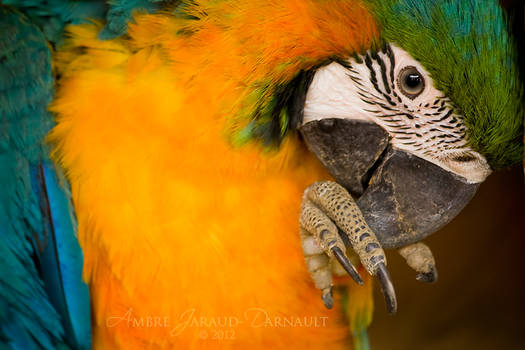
(393, 90)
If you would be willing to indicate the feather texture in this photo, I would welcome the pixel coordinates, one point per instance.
(39, 253)
(52, 16)
(60, 261)
(174, 220)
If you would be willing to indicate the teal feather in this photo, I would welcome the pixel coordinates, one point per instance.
(61, 259)
(361, 341)
(120, 12)
(52, 16)
(44, 304)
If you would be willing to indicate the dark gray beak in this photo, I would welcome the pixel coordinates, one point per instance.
(403, 198)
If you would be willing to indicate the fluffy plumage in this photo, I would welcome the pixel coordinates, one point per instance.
(171, 216)
(45, 305)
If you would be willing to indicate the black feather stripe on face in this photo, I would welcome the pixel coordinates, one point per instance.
(439, 129)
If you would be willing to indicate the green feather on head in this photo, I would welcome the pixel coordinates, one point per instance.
(466, 48)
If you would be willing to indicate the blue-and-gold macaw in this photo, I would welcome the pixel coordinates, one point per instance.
(211, 169)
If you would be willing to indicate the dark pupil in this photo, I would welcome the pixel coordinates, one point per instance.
(413, 80)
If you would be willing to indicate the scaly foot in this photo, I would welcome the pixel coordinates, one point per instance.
(330, 222)
(419, 257)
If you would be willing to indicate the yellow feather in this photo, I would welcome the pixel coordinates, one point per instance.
(171, 217)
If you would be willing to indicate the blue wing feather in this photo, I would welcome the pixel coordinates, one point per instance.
(61, 260)
(45, 304)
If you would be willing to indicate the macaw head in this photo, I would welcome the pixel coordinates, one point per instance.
(415, 123)
(410, 104)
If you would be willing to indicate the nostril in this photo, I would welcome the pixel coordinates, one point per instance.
(464, 158)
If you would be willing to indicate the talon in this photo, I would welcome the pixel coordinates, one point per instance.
(428, 277)
(347, 265)
(330, 216)
(419, 257)
(328, 298)
(387, 288)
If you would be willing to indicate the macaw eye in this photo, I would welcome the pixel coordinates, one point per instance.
(410, 82)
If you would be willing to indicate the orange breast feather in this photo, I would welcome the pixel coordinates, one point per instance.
(188, 241)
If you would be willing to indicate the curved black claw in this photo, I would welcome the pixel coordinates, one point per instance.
(328, 299)
(387, 288)
(347, 265)
(429, 277)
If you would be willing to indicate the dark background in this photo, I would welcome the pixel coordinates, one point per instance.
(479, 299)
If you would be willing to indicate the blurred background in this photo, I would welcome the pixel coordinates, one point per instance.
(479, 299)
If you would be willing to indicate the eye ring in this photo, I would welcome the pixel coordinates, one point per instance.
(410, 82)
